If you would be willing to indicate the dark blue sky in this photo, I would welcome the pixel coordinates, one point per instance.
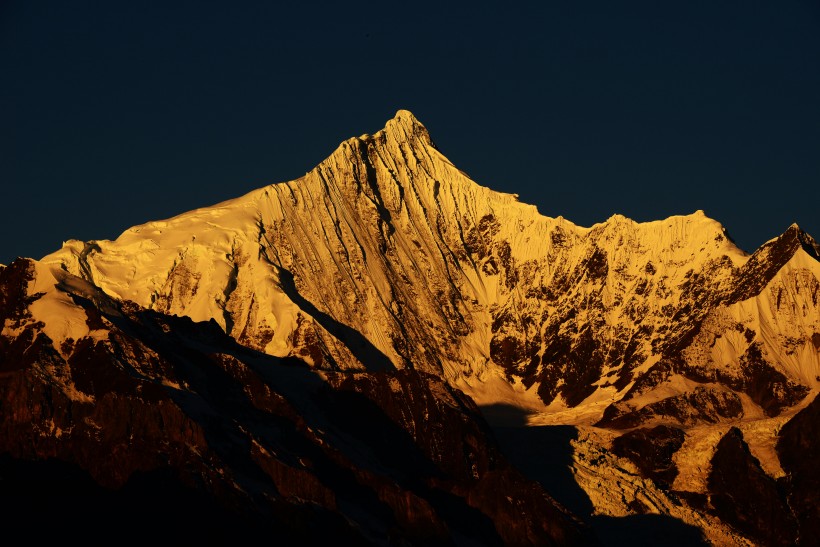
(116, 113)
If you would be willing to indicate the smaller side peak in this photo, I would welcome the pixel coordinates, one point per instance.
(786, 244)
(809, 244)
(795, 233)
(793, 238)
(700, 218)
(699, 215)
(766, 261)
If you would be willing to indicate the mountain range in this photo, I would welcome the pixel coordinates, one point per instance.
(385, 352)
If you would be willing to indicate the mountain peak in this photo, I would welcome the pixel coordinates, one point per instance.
(405, 126)
(406, 115)
(801, 239)
(771, 257)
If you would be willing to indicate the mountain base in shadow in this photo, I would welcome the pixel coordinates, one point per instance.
(544, 454)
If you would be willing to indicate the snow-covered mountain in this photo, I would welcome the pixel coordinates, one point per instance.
(386, 260)
(386, 255)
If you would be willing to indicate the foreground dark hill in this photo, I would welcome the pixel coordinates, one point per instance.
(160, 421)
(313, 352)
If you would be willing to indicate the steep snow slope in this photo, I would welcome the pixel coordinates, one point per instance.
(386, 255)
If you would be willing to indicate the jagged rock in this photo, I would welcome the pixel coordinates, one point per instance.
(743, 495)
(702, 405)
(652, 451)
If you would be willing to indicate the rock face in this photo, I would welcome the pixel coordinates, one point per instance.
(652, 450)
(798, 446)
(744, 496)
(315, 349)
